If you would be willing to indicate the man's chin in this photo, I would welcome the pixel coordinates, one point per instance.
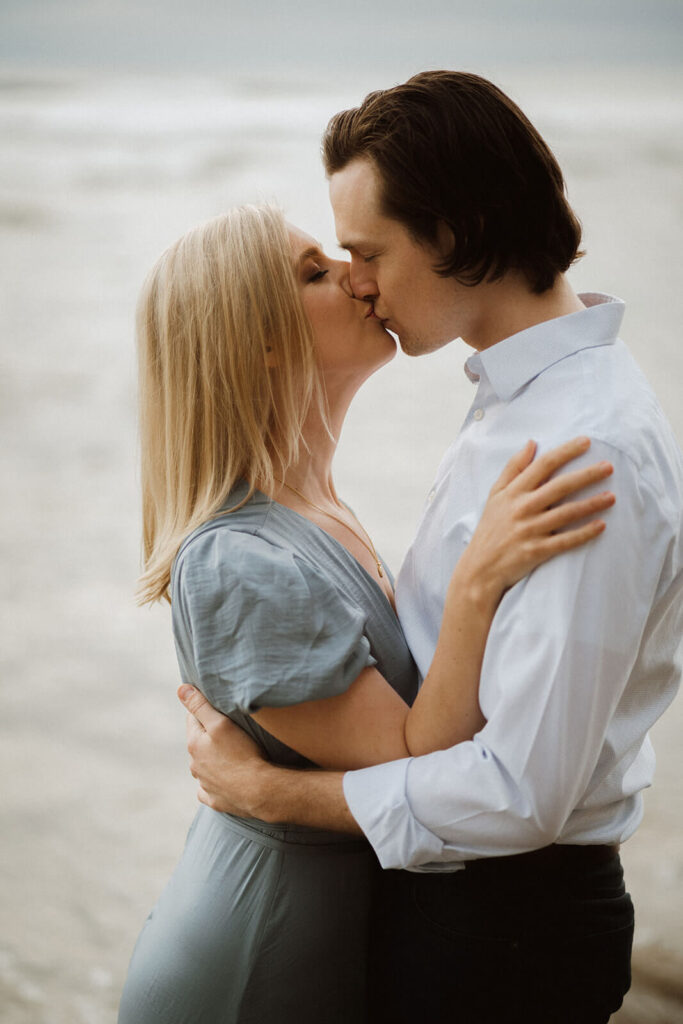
(419, 346)
(412, 346)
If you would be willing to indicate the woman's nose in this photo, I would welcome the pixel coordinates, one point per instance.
(362, 282)
(343, 268)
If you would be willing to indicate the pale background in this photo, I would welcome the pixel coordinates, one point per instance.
(123, 124)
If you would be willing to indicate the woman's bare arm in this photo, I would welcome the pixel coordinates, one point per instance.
(369, 723)
(234, 778)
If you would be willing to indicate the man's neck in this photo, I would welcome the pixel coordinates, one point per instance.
(509, 306)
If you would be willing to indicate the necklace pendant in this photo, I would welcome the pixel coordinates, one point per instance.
(368, 546)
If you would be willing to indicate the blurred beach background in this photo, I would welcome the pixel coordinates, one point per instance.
(123, 124)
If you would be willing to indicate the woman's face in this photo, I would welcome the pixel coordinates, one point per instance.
(350, 341)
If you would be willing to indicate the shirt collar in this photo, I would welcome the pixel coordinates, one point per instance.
(513, 362)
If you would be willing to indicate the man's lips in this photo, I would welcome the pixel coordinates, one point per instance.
(371, 315)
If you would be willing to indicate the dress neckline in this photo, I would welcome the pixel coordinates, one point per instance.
(338, 544)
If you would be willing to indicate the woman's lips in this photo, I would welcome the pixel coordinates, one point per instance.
(371, 315)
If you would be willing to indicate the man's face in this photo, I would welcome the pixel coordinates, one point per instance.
(393, 270)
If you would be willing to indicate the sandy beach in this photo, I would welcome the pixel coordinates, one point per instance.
(101, 174)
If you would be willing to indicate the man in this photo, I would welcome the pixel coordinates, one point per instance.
(454, 214)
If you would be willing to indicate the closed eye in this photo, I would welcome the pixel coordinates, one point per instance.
(317, 276)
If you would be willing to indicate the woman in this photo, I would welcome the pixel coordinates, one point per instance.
(252, 346)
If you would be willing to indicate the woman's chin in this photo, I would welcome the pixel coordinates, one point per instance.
(392, 347)
(387, 357)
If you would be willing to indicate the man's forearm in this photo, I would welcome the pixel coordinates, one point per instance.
(234, 779)
(313, 798)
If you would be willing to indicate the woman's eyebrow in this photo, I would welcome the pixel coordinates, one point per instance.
(313, 250)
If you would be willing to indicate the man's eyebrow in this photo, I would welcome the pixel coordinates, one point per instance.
(360, 245)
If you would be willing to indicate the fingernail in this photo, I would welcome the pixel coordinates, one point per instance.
(185, 692)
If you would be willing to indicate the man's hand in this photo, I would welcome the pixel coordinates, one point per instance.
(234, 778)
(225, 761)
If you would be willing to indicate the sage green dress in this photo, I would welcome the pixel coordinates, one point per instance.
(263, 923)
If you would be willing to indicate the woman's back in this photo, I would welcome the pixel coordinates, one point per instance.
(258, 921)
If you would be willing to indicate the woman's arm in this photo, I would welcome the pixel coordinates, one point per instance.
(369, 723)
(234, 778)
(517, 532)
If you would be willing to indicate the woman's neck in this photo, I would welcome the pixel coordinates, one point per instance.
(307, 486)
(311, 474)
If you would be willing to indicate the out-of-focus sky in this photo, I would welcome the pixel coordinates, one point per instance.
(279, 35)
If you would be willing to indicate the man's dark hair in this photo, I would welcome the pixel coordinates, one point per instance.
(451, 148)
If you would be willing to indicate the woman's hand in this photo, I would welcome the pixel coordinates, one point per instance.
(516, 533)
(519, 526)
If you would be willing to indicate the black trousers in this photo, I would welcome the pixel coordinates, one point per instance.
(541, 938)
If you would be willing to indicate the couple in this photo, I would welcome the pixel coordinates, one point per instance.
(506, 785)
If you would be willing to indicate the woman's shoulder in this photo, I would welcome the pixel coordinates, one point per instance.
(237, 528)
(248, 548)
(259, 623)
(224, 553)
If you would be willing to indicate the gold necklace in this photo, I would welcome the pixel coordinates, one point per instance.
(368, 546)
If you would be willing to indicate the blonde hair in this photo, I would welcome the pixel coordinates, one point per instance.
(227, 374)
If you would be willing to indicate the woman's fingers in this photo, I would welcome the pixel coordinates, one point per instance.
(556, 543)
(543, 467)
(548, 543)
(516, 465)
(560, 487)
(551, 532)
(563, 515)
(532, 514)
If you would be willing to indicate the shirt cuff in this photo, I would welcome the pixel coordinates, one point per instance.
(378, 801)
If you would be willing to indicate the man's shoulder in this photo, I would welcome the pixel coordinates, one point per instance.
(603, 392)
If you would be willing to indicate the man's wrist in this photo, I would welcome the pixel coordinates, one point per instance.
(299, 796)
(261, 790)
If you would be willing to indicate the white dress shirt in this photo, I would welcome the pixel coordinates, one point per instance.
(582, 655)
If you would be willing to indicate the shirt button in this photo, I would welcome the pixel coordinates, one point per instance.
(478, 414)
(430, 496)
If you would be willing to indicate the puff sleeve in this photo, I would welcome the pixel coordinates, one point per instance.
(255, 625)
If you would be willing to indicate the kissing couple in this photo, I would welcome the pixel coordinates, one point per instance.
(412, 797)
